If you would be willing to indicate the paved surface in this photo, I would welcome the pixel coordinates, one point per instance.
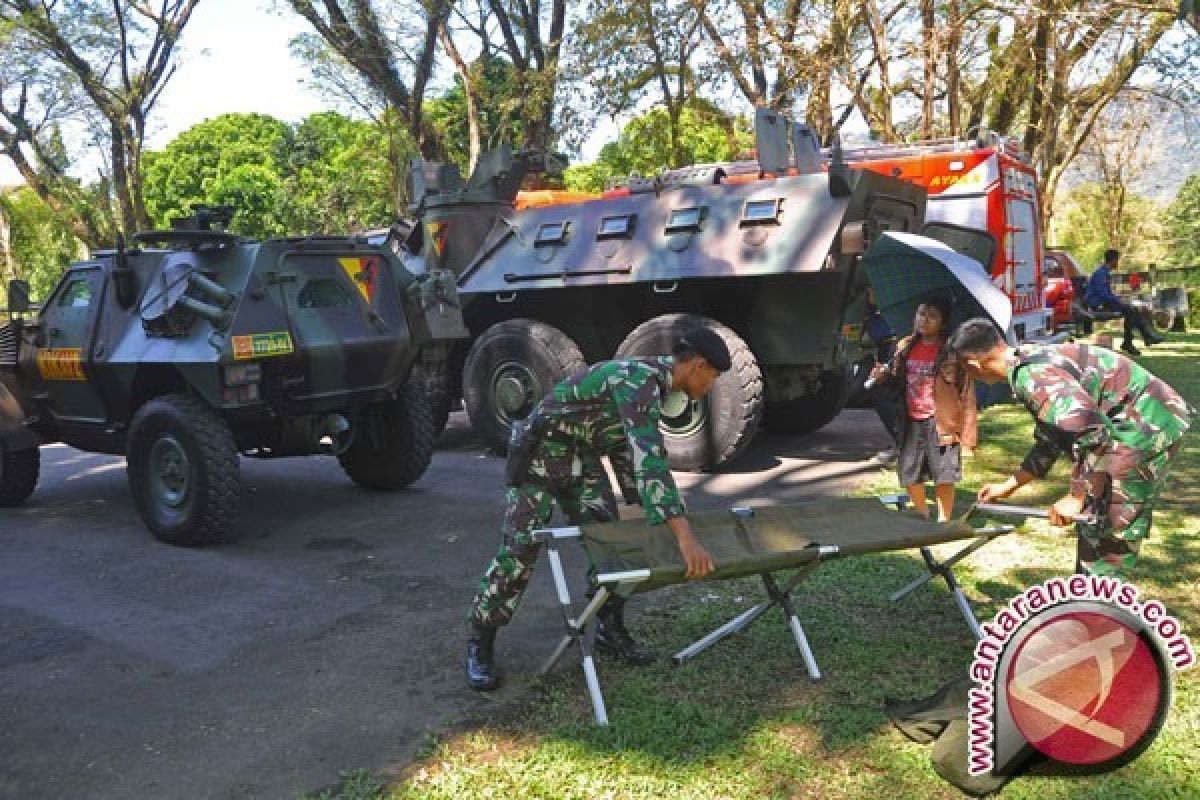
(329, 636)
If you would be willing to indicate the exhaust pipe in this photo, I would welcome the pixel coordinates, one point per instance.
(332, 434)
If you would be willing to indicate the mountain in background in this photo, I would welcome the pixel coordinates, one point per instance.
(1176, 139)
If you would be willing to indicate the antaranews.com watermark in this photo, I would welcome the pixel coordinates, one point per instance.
(1076, 667)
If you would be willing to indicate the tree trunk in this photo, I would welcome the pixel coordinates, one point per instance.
(9, 263)
(953, 69)
(474, 135)
(930, 51)
(881, 109)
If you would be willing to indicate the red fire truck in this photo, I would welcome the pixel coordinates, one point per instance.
(987, 183)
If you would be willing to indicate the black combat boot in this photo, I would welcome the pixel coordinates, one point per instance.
(612, 637)
(481, 665)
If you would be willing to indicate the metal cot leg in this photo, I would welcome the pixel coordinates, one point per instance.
(945, 571)
(784, 599)
(577, 630)
(738, 623)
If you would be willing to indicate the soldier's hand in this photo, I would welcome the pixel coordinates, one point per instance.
(992, 492)
(699, 562)
(1063, 512)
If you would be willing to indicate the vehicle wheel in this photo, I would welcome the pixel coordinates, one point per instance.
(703, 434)
(393, 444)
(436, 381)
(183, 470)
(811, 412)
(19, 471)
(509, 369)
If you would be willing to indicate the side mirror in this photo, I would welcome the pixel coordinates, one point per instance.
(18, 296)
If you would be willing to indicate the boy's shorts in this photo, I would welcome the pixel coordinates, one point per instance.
(922, 459)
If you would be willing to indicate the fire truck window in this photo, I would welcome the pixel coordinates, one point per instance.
(1052, 268)
(78, 294)
(323, 293)
(965, 210)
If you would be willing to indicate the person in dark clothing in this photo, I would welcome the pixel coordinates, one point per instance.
(883, 398)
(1100, 297)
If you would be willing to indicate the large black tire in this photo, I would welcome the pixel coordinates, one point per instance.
(183, 471)
(395, 445)
(19, 471)
(512, 366)
(712, 431)
(437, 388)
(811, 412)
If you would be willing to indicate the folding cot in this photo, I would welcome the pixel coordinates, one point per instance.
(630, 557)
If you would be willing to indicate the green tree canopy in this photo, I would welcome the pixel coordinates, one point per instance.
(497, 89)
(331, 174)
(1183, 225)
(239, 159)
(36, 243)
(341, 177)
(1083, 229)
(644, 147)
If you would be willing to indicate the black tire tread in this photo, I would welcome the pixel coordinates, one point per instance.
(437, 386)
(561, 347)
(18, 475)
(409, 451)
(743, 365)
(219, 454)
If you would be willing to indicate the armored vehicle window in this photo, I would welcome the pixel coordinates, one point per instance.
(618, 227)
(686, 219)
(761, 212)
(551, 233)
(78, 294)
(323, 293)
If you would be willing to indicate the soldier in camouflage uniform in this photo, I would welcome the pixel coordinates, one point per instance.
(1121, 425)
(611, 409)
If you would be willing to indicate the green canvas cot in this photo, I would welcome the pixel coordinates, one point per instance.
(630, 556)
(748, 541)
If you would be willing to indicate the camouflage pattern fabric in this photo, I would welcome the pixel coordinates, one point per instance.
(617, 414)
(1112, 416)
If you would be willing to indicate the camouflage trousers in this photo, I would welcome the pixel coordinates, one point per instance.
(1111, 547)
(581, 489)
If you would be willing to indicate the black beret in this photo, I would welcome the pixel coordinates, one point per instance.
(709, 344)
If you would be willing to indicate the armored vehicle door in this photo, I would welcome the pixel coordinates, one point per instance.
(65, 353)
(347, 321)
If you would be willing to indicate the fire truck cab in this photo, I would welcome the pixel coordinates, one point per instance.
(986, 183)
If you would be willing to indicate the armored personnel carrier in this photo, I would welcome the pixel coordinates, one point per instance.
(195, 346)
(765, 253)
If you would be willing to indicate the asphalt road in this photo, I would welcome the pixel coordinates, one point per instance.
(329, 636)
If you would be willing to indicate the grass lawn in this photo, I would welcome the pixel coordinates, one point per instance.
(743, 720)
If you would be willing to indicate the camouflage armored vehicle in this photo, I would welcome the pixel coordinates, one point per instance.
(196, 346)
(765, 253)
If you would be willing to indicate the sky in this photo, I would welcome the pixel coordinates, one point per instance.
(235, 58)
